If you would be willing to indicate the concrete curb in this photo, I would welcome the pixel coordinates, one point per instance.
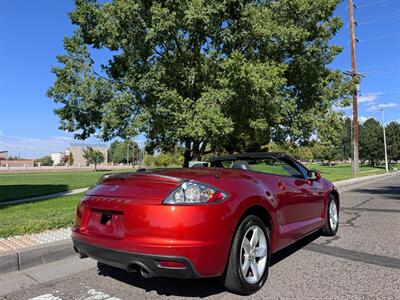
(44, 197)
(34, 256)
(346, 184)
(29, 257)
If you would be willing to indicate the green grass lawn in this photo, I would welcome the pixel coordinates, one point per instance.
(23, 185)
(38, 216)
(342, 172)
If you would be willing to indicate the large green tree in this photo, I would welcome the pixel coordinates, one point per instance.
(345, 141)
(93, 156)
(393, 141)
(371, 141)
(123, 152)
(200, 73)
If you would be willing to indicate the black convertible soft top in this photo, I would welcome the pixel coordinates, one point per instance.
(217, 160)
(250, 155)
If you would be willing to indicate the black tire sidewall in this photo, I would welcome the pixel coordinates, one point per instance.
(328, 229)
(245, 225)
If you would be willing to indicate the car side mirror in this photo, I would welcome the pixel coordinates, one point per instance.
(314, 175)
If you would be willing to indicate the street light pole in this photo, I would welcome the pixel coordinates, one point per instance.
(384, 141)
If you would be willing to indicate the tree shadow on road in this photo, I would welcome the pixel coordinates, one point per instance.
(200, 288)
(164, 286)
(388, 192)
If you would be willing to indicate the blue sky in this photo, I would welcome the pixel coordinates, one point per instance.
(32, 32)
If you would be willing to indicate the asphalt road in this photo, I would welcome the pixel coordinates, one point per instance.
(361, 262)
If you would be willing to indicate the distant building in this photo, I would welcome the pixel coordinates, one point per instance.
(17, 163)
(77, 153)
(57, 158)
(3, 154)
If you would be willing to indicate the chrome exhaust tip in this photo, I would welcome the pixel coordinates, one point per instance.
(145, 273)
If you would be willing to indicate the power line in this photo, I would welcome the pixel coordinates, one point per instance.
(389, 94)
(344, 13)
(372, 3)
(380, 94)
(379, 37)
(381, 67)
(378, 19)
(380, 70)
(383, 72)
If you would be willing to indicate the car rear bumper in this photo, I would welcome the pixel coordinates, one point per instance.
(200, 233)
(130, 261)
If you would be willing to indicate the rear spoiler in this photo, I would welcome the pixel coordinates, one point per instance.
(137, 175)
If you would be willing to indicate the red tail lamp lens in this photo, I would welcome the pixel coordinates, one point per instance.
(172, 264)
(79, 214)
(218, 196)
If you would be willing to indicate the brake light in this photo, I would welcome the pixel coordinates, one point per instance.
(192, 192)
(79, 214)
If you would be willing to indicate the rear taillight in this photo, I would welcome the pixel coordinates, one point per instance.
(79, 214)
(192, 192)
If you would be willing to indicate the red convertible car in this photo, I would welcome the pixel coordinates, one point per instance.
(221, 220)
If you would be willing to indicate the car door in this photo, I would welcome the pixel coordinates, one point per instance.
(291, 197)
(311, 193)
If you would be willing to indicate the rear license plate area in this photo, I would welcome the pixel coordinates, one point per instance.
(105, 219)
(106, 223)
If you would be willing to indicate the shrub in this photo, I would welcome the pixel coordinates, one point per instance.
(148, 160)
(162, 160)
(45, 161)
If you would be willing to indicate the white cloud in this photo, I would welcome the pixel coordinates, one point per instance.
(362, 119)
(388, 105)
(383, 105)
(63, 138)
(371, 97)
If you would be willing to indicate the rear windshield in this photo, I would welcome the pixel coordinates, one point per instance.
(270, 165)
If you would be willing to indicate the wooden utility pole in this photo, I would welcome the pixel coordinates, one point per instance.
(355, 105)
(127, 152)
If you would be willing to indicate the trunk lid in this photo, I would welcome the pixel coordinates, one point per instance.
(135, 186)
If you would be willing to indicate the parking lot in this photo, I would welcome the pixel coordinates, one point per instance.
(361, 262)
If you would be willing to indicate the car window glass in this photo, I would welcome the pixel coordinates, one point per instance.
(275, 166)
(302, 169)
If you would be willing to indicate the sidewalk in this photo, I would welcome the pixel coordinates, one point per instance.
(23, 251)
(29, 240)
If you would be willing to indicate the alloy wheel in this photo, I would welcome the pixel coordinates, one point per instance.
(333, 215)
(253, 254)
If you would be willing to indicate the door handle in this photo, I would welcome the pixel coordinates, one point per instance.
(270, 197)
(281, 186)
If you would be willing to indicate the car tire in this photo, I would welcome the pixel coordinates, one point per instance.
(332, 217)
(249, 259)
